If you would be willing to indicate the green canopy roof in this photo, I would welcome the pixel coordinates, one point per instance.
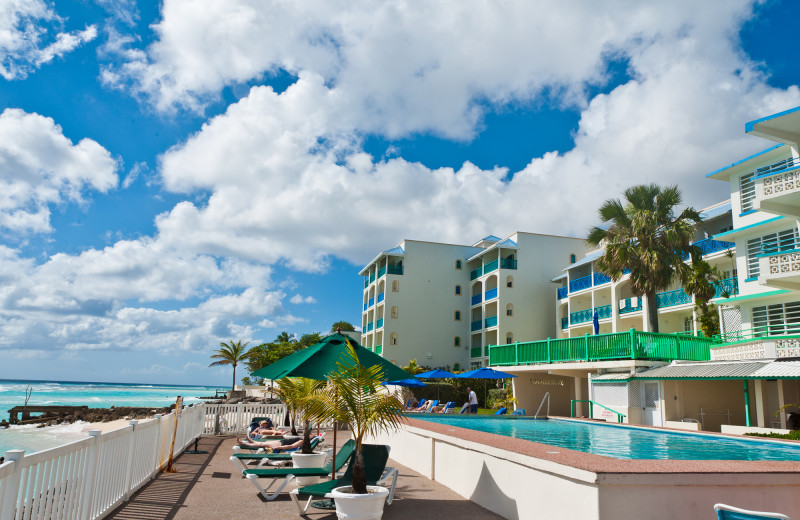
(317, 361)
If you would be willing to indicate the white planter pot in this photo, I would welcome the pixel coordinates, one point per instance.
(312, 460)
(351, 506)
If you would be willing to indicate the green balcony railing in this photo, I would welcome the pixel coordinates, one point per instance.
(379, 349)
(491, 321)
(766, 331)
(371, 277)
(394, 269)
(475, 352)
(508, 263)
(491, 266)
(475, 273)
(649, 346)
(381, 271)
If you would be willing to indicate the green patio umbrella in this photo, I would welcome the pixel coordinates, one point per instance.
(318, 361)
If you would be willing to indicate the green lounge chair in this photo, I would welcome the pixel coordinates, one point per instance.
(375, 458)
(240, 460)
(289, 474)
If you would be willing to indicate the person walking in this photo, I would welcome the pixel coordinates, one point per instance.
(472, 399)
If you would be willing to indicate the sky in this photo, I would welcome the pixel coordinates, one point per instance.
(177, 174)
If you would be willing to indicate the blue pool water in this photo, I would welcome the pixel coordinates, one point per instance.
(623, 442)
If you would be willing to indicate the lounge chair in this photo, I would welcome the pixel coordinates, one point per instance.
(240, 460)
(375, 457)
(289, 474)
(448, 408)
(501, 411)
(734, 513)
(431, 407)
(518, 411)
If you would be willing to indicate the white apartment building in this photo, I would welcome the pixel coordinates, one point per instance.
(584, 290)
(444, 304)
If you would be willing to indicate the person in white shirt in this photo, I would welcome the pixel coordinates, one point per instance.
(473, 401)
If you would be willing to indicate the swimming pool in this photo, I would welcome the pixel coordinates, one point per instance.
(623, 442)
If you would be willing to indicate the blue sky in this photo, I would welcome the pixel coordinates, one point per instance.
(182, 173)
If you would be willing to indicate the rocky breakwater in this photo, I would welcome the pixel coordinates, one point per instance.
(52, 415)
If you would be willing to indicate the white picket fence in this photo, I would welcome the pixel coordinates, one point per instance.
(236, 418)
(87, 479)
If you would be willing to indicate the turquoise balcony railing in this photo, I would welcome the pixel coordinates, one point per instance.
(629, 307)
(363, 329)
(366, 306)
(491, 321)
(508, 263)
(491, 266)
(727, 287)
(603, 312)
(475, 273)
(371, 277)
(371, 302)
(476, 299)
(379, 349)
(561, 293)
(491, 294)
(381, 271)
(564, 323)
(370, 325)
(672, 298)
(778, 167)
(379, 323)
(600, 279)
(708, 245)
(475, 352)
(580, 316)
(381, 296)
(648, 346)
(580, 284)
(394, 269)
(476, 325)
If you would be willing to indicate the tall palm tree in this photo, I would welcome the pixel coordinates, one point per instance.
(646, 238)
(231, 353)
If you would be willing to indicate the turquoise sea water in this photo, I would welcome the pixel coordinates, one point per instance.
(623, 442)
(94, 395)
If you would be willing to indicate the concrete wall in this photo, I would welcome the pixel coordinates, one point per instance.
(529, 389)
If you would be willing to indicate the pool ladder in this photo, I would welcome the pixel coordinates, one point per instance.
(546, 396)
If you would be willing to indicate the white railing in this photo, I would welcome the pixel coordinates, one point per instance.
(236, 418)
(87, 479)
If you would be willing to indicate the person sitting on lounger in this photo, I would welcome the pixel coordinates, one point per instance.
(264, 428)
(272, 446)
(412, 403)
(424, 408)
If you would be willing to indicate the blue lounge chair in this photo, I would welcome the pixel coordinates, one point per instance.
(431, 407)
(501, 411)
(734, 513)
(518, 411)
(448, 408)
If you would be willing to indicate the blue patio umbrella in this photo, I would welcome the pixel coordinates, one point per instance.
(435, 374)
(596, 323)
(484, 373)
(411, 382)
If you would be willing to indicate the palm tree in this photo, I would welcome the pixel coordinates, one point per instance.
(413, 368)
(701, 282)
(646, 238)
(355, 396)
(231, 353)
(297, 394)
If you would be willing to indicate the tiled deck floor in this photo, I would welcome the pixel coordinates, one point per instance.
(208, 487)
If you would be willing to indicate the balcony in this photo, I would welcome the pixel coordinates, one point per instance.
(379, 324)
(379, 349)
(366, 282)
(363, 329)
(370, 326)
(629, 305)
(780, 269)
(508, 263)
(561, 293)
(381, 272)
(564, 323)
(366, 306)
(381, 296)
(586, 315)
(600, 279)
(672, 298)
(476, 325)
(491, 294)
(371, 302)
(476, 299)
(491, 266)
(491, 321)
(709, 246)
(769, 341)
(475, 273)
(726, 288)
(394, 269)
(579, 284)
(475, 352)
(371, 277)
(649, 346)
(778, 188)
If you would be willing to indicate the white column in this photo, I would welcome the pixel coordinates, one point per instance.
(645, 314)
(760, 409)
(10, 489)
(615, 321)
(578, 395)
(91, 475)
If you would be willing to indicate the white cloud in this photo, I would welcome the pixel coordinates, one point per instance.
(298, 299)
(40, 166)
(26, 27)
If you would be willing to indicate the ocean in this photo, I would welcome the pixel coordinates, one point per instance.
(94, 395)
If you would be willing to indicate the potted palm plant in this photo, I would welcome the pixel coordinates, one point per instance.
(298, 394)
(355, 395)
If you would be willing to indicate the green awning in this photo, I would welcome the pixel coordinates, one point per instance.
(318, 361)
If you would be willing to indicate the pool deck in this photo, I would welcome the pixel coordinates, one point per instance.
(207, 486)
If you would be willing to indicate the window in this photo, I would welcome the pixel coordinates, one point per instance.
(458, 289)
(509, 310)
(393, 339)
(509, 281)
(777, 319)
(396, 286)
(747, 191)
(688, 325)
(458, 264)
(457, 341)
(394, 312)
(456, 367)
(572, 258)
(457, 315)
(785, 240)
(509, 338)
